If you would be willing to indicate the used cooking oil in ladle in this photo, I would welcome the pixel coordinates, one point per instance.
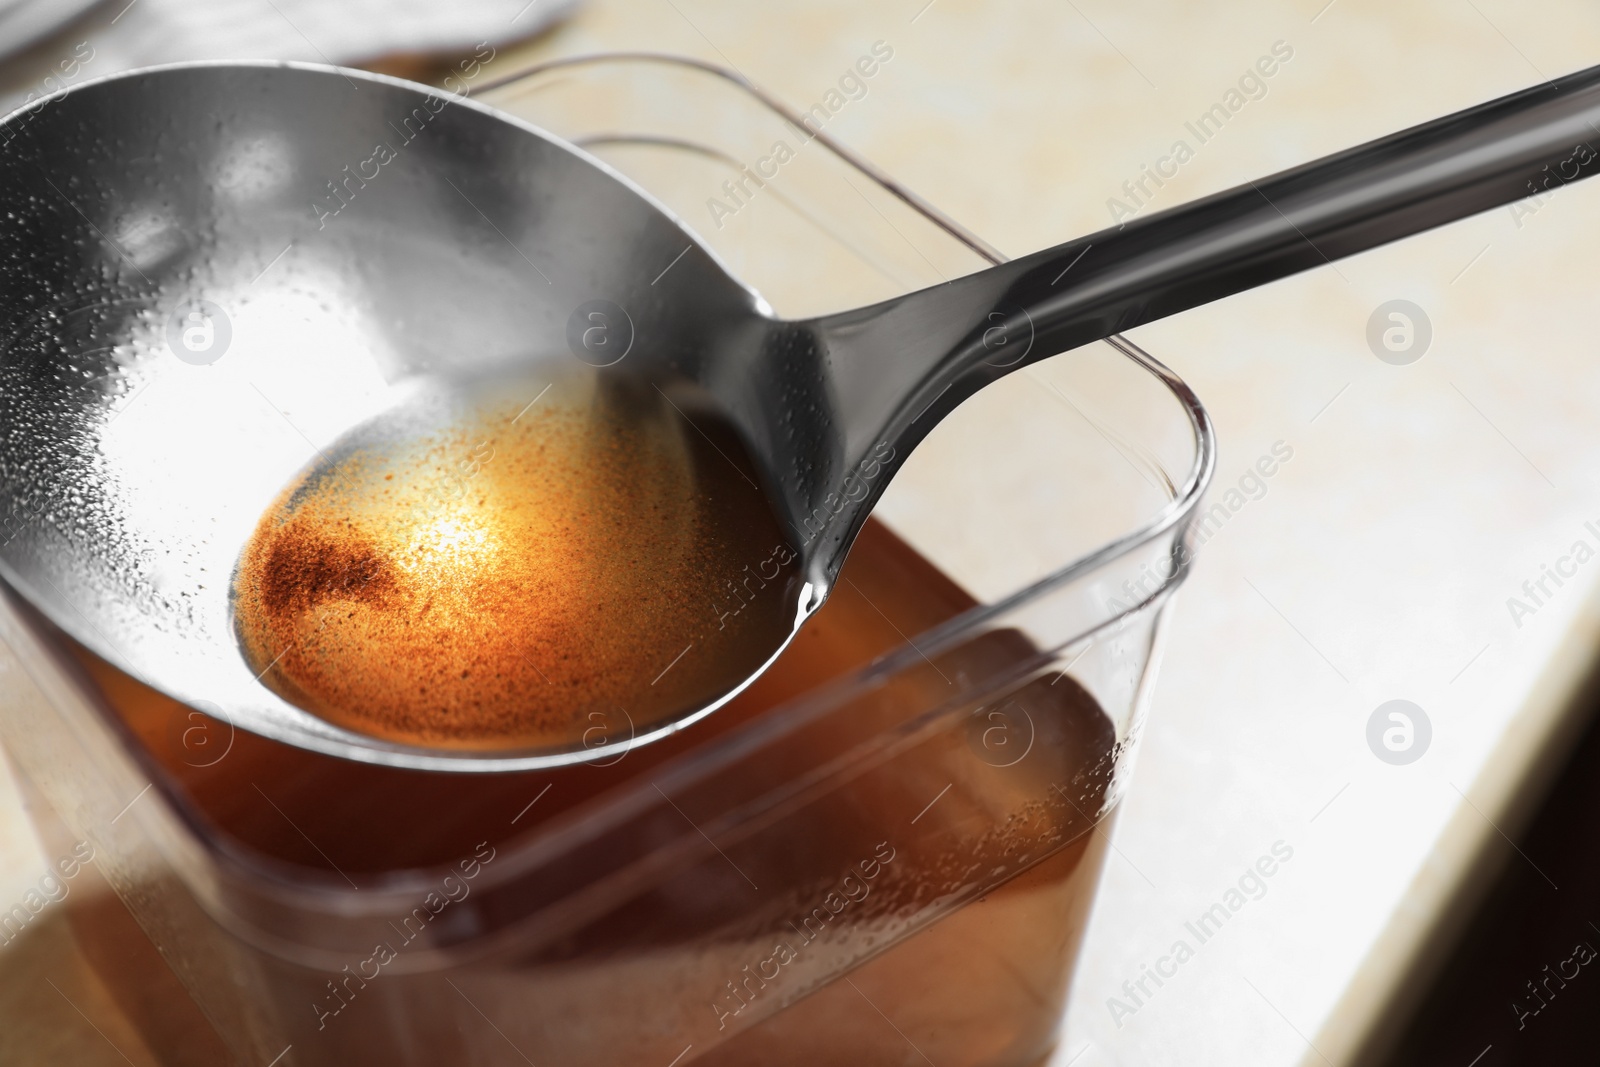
(470, 571)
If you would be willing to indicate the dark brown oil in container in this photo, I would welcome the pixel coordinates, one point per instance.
(982, 986)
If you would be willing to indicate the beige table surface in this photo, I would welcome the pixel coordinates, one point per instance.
(1376, 566)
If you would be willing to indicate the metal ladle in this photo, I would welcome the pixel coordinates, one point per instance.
(373, 232)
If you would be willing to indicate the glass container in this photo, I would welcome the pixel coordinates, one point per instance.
(885, 852)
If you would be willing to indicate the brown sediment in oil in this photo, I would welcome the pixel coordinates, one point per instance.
(485, 574)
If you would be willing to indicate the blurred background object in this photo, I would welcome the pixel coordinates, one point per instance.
(23, 22)
(402, 37)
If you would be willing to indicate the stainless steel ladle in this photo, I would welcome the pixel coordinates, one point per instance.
(368, 232)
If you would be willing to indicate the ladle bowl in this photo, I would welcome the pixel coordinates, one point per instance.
(212, 272)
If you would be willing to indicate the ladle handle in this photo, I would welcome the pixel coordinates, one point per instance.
(899, 367)
(1526, 144)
